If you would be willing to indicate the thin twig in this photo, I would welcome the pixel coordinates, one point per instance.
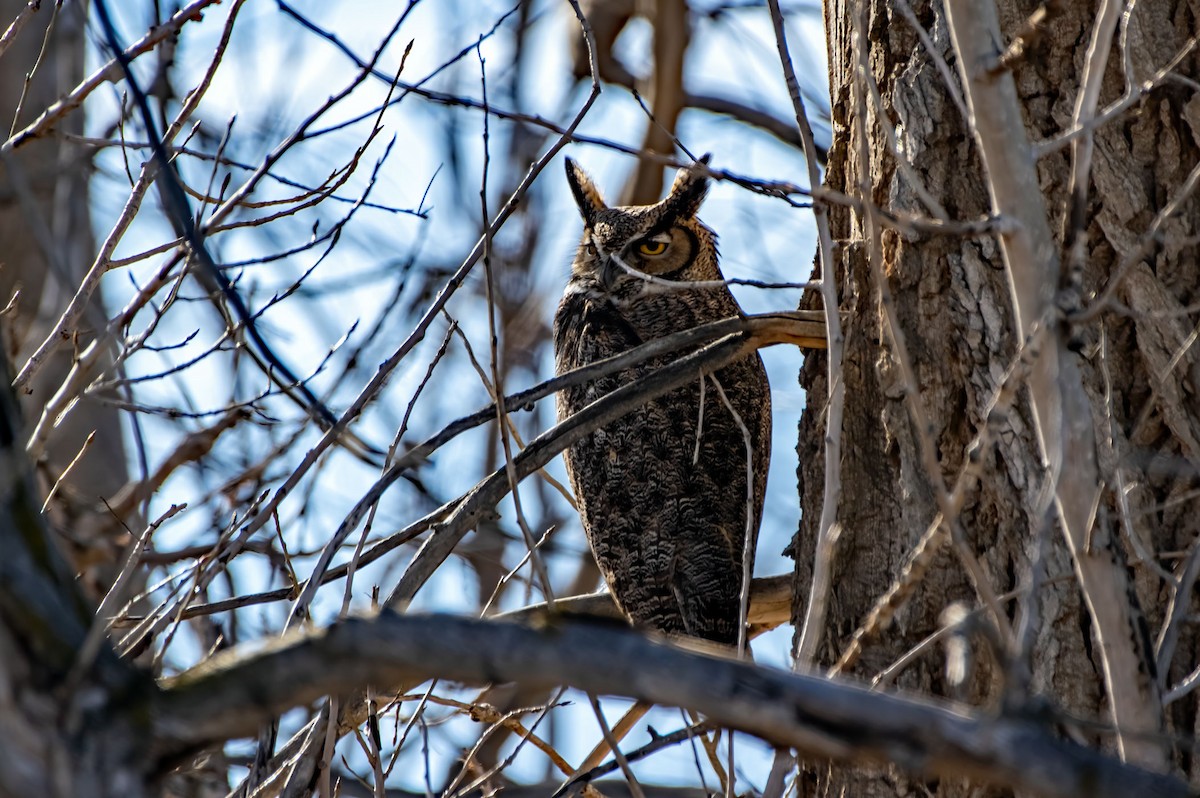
(634, 787)
(816, 607)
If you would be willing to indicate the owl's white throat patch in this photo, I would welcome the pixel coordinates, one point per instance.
(585, 288)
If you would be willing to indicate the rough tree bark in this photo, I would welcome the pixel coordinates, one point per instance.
(951, 298)
(48, 245)
(55, 713)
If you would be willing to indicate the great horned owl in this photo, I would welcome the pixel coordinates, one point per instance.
(662, 490)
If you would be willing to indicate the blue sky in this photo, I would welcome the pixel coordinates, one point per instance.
(276, 73)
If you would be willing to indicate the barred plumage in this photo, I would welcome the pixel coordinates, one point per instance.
(662, 490)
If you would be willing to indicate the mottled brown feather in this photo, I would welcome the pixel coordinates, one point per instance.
(667, 527)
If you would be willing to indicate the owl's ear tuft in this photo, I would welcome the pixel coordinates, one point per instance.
(587, 196)
(688, 190)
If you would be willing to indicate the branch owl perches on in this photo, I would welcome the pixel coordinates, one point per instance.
(664, 492)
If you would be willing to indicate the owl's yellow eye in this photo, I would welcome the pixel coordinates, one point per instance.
(652, 248)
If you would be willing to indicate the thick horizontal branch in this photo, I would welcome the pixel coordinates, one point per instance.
(233, 693)
(770, 605)
(609, 788)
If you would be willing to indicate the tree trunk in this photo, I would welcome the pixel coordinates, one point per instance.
(46, 231)
(953, 304)
(64, 711)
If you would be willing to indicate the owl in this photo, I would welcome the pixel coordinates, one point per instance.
(662, 491)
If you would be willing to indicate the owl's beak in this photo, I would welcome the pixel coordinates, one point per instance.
(610, 272)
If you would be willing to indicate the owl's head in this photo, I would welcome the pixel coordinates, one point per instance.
(664, 240)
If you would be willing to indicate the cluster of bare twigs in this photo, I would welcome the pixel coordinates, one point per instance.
(218, 226)
(319, 432)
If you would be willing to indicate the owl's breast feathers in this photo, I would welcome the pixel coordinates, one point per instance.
(662, 491)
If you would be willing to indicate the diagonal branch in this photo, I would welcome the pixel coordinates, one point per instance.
(481, 500)
(794, 327)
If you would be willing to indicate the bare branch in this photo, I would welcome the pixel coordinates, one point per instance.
(111, 71)
(814, 619)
